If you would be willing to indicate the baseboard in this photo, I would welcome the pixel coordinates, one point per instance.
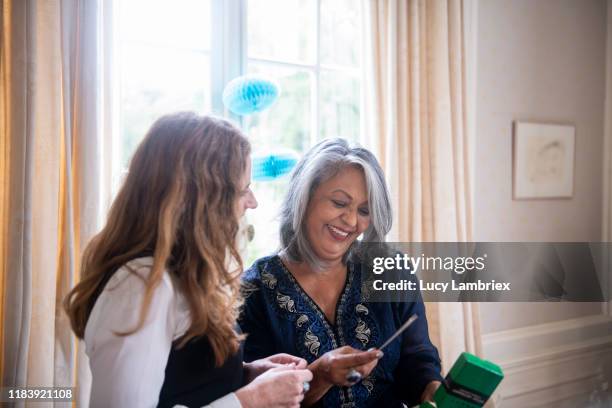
(553, 364)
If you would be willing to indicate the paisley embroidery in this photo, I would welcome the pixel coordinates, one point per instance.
(360, 308)
(362, 332)
(268, 279)
(301, 320)
(312, 343)
(368, 383)
(285, 302)
(247, 289)
(310, 334)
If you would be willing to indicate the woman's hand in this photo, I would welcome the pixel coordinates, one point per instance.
(333, 367)
(429, 391)
(281, 387)
(258, 367)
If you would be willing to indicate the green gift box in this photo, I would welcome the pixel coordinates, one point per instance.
(469, 384)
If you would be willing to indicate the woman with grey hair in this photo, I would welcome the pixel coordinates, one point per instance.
(306, 299)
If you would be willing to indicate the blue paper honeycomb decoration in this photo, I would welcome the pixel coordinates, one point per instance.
(272, 166)
(249, 94)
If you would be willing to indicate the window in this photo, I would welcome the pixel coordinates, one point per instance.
(312, 48)
(163, 48)
(173, 56)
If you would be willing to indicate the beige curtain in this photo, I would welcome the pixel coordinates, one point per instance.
(607, 161)
(416, 120)
(53, 111)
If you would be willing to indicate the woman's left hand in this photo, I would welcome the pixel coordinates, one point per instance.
(258, 367)
(430, 390)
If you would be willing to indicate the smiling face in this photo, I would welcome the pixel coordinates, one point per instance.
(337, 214)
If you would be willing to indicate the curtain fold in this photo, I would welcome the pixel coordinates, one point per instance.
(52, 141)
(607, 159)
(417, 123)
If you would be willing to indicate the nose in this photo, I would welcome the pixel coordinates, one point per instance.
(350, 217)
(251, 201)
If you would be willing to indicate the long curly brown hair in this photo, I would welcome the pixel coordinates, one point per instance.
(177, 203)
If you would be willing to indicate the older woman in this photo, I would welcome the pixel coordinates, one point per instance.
(306, 300)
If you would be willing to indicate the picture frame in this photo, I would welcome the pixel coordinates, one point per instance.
(543, 162)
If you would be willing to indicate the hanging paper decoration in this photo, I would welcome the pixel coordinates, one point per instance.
(249, 94)
(266, 167)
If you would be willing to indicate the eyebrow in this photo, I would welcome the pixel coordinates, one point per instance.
(339, 190)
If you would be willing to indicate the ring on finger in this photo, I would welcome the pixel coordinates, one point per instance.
(353, 376)
(305, 387)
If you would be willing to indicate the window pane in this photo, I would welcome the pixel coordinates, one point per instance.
(287, 122)
(177, 23)
(156, 81)
(265, 218)
(285, 125)
(339, 107)
(282, 30)
(340, 32)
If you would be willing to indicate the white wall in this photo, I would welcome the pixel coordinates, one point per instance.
(542, 60)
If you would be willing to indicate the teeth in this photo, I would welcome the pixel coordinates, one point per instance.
(338, 231)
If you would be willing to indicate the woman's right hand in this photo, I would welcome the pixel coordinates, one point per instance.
(281, 387)
(334, 366)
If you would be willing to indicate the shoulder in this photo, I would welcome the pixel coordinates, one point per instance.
(265, 273)
(262, 268)
(132, 277)
(118, 307)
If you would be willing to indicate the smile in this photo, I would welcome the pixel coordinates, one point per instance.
(337, 233)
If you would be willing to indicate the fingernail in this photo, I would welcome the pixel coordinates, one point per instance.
(380, 354)
(372, 349)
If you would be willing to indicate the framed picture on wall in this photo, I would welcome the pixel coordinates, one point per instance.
(543, 160)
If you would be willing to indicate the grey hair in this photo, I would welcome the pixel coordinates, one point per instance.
(320, 163)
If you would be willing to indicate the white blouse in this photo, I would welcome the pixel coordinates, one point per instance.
(128, 371)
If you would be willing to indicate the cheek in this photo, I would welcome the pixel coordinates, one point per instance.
(240, 205)
(363, 224)
(322, 214)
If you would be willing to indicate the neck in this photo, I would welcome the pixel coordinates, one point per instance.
(328, 268)
(331, 268)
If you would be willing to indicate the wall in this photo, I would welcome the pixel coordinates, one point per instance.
(542, 61)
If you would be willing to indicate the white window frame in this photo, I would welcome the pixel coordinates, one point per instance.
(229, 59)
(228, 48)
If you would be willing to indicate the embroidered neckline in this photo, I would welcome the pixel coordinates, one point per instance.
(330, 327)
(344, 392)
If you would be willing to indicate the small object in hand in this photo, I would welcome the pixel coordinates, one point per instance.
(399, 331)
(306, 387)
(353, 376)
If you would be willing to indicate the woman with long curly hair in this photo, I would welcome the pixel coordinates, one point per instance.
(159, 295)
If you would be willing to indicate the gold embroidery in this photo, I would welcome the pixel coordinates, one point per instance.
(362, 332)
(312, 343)
(285, 302)
(268, 279)
(360, 308)
(247, 289)
(368, 384)
(301, 320)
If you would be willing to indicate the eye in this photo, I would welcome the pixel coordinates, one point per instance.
(364, 211)
(339, 204)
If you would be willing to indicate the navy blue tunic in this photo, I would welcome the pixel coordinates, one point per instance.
(279, 317)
